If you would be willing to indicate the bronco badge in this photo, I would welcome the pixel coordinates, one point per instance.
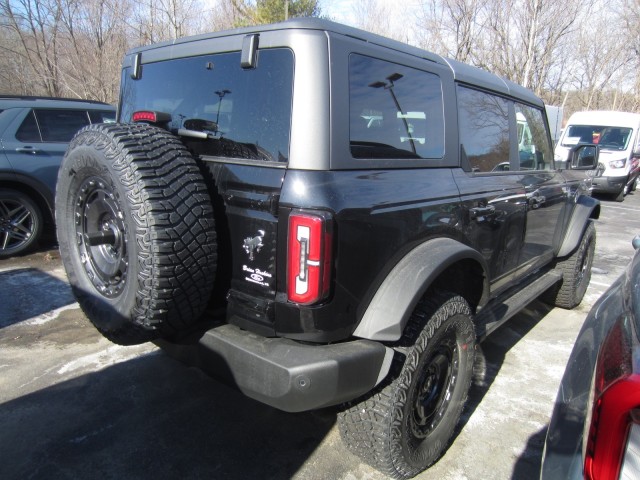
(253, 245)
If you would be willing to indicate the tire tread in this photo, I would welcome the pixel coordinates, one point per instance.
(371, 428)
(174, 228)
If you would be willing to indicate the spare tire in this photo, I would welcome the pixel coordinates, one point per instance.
(136, 231)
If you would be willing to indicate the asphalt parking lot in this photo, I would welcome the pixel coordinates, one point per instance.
(73, 405)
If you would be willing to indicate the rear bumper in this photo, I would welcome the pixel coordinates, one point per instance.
(285, 374)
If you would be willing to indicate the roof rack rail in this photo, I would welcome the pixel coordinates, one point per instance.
(35, 98)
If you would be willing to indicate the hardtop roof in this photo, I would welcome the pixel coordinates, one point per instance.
(461, 72)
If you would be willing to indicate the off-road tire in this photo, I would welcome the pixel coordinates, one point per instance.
(21, 223)
(407, 424)
(576, 273)
(136, 231)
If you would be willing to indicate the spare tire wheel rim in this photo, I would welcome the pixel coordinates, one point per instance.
(101, 236)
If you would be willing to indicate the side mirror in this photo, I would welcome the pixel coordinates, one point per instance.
(636, 242)
(584, 157)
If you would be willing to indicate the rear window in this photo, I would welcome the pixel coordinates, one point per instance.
(395, 111)
(246, 113)
(607, 137)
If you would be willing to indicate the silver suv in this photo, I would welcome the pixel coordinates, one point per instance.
(34, 135)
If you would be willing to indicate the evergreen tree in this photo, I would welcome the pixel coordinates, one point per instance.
(259, 12)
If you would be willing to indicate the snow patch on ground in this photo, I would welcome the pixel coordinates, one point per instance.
(111, 355)
(51, 315)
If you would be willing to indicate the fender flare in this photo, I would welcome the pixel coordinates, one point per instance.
(388, 312)
(36, 190)
(585, 208)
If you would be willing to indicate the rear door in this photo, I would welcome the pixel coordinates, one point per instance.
(37, 140)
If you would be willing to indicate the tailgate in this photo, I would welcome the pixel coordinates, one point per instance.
(246, 206)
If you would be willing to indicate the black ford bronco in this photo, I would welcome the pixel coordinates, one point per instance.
(327, 217)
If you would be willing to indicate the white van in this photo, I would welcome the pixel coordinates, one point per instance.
(617, 135)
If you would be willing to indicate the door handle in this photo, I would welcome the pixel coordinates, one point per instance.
(31, 150)
(478, 213)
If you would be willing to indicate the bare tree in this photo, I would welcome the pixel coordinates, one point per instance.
(580, 53)
(16, 75)
(158, 20)
(525, 37)
(452, 27)
(373, 16)
(223, 16)
(631, 17)
(600, 61)
(36, 24)
(95, 43)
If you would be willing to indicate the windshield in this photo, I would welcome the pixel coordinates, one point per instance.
(608, 138)
(246, 113)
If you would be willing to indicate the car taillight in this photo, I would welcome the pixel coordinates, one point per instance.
(615, 409)
(150, 117)
(309, 257)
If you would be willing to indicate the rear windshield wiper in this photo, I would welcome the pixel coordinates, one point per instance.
(198, 128)
(218, 145)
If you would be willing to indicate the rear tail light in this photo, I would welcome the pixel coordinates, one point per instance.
(612, 420)
(309, 257)
(616, 399)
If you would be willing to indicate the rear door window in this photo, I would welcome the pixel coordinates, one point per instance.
(484, 130)
(60, 125)
(28, 130)
(246, 113)
(394, 111)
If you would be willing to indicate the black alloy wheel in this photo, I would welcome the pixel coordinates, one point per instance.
(432, 396)
(101, 235)
(20, 223)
